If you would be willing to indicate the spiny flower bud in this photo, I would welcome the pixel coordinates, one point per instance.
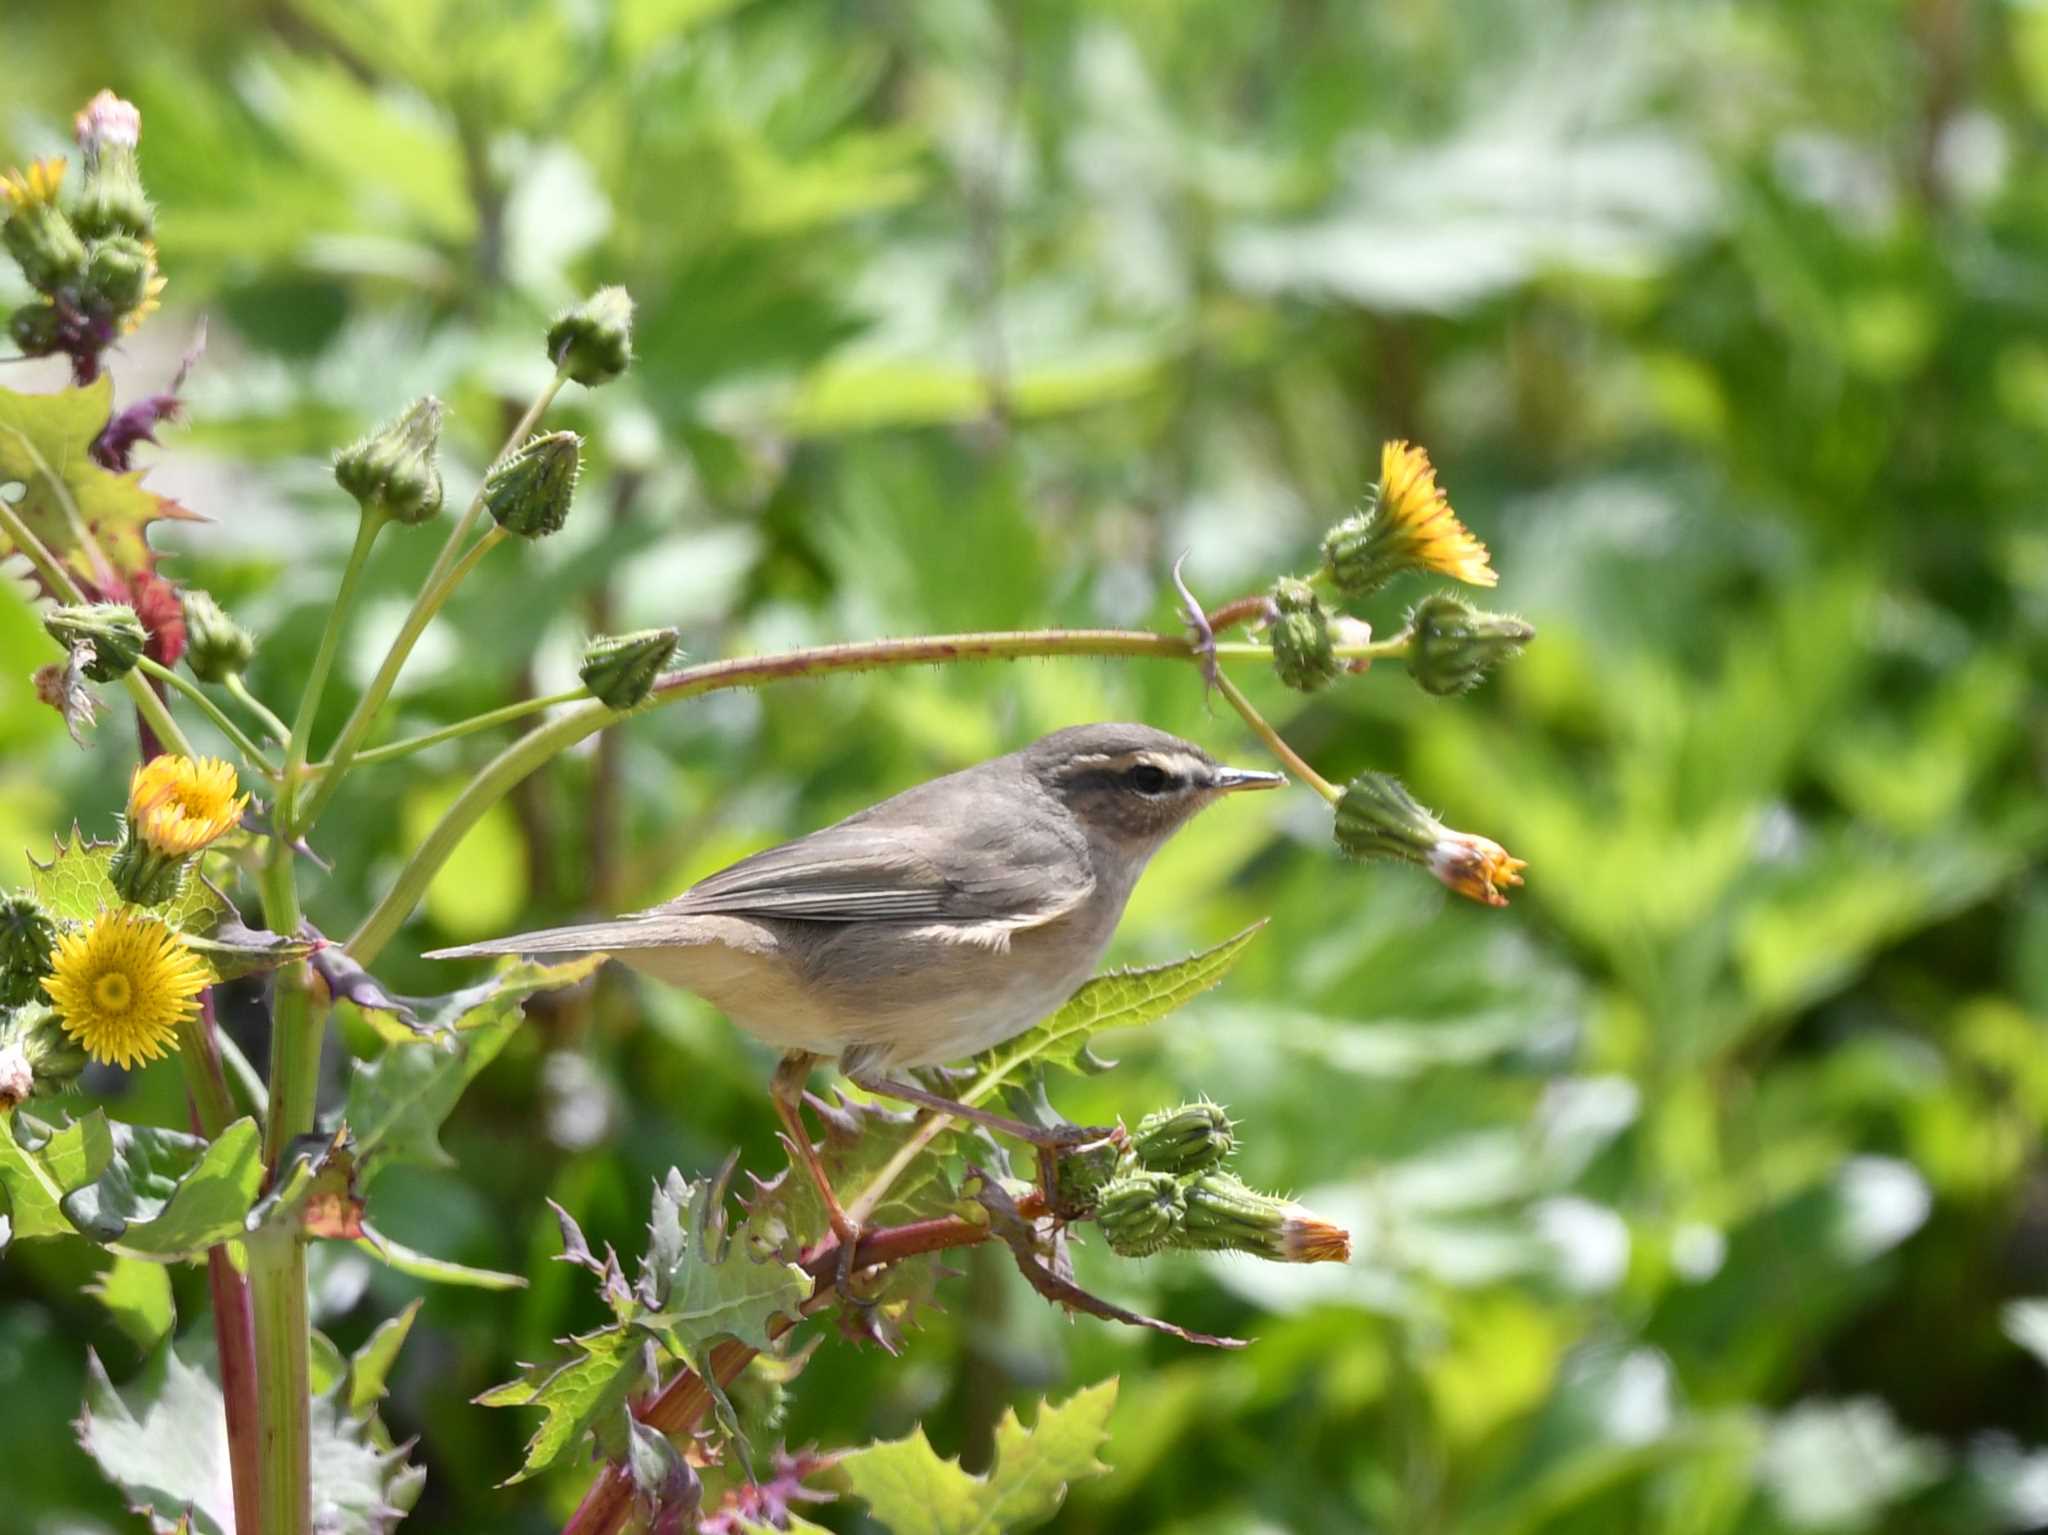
(1139, 1213)
(1223, 1215)
(117, 274)
(1453, 645)
(593, 341)
(216, 647)
(392, 472)
(27, 940)
(530, 490)
(110, 628)
(1378, 818)
(1302, 654)
(619, 669)
(1080, 1175)
(37, 234)
(1407, 524)
(1183, 1140)
(38, 329)
(37, 1058)
(110, 199)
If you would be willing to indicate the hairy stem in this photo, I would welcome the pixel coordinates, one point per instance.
(251, 752)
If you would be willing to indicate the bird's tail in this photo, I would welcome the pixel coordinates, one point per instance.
(587, 938)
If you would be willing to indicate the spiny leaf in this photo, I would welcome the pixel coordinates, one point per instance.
(913, 1491)
(45, 442)
(586, 1395)
(698, 1287)
(1122, 999)
(859, 1142)
(75, 886)
(165, 1195)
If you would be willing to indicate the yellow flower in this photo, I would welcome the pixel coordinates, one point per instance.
(178, 805)
(123, 984)
(1409, 526)
(35, 187)
(1478, 868)
(152, 295)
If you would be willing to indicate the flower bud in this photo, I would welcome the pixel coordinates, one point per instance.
(216, 647)
(110, 198)
(1453, 645)
(1183, 1140)
(1407, 524)
(37, 1058)
(1139, 1213)
(27, 941)
(117, 274)
(619, 669)
(1378, 818)
(1080, 1175)
(593, 342)
(1302, 653)
(37, 234)
(392, 472)
(110, 628)
(530, 490)
(1223, 1215)
(37, 329)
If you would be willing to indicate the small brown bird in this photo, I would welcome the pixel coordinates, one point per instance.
(929, 927)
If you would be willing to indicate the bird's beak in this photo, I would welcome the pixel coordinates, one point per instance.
(1229, 780)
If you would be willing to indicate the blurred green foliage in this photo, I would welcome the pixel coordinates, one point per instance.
(1690, 1194)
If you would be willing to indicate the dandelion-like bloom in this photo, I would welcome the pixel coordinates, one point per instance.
(178, 805)
(122, 984)
(35, 187)
(1408, 526)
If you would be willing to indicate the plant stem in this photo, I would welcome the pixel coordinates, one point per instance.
(212, 1105)
(213, 711)
(299, 746)
(282, 1334)
(393, 750)
(1274, 743)
(450, 565)
(238, 690)
(234, 1336)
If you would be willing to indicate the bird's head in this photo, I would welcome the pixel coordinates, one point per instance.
(1132, 786)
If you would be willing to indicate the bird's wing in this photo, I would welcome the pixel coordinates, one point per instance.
(873, 869)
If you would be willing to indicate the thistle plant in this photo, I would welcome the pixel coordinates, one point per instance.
(112, 952)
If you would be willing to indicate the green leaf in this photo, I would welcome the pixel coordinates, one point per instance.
(860, 1141)
(419, 1265)
(31, 1198)
(45, 445)
(397, 1101)
(75, 886)
(164, 1442)
(38, 1167)
(587, 1395)
(166, 1195)
(138, 1294)
(232, 950)
(1122, 999)
(370, 1366)
(698, 1286)
(909, 1488)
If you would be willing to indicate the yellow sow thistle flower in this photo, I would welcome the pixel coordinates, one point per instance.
(35, 187)
(1409, 526)
(122, 985)
(176, 807)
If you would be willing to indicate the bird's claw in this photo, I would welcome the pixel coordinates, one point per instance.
(1204, 641)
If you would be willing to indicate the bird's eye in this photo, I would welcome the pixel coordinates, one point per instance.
(1147, 779)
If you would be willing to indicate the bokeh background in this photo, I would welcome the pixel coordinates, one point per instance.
(1702, 1190)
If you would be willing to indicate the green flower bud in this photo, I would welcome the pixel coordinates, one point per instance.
(1223, 1215)
(1453, 645)
(619, 669)
(110, 198)
(530, 490)
(38, 1059)
(593, 342)
(142, 874)
(37, 235)
(1302, 652)
(110, 628)
(392, 472)
(36, 328)
(117, 274)
(1140, 1213)
(1378, 818)
(28, 939)
(216, 647)
(1183, 1140)
(1080, 1175)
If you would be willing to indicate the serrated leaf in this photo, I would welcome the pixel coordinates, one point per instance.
(860, 1141)
(587, 1395)
(166, 1195)
(45, 445)
(1122, 999)
(137, 1293)
(398, 1100)
(406, 1260)
(370, 1366)
(164, 1442)
(697, 1287)
(75, 886)
(909, 1488)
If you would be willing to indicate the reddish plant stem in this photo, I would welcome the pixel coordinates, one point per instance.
(680, 1406)
(234, 1336)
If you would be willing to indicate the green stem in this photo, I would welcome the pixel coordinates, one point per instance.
(392, 751)
(450, 565)
(208, 1089)
(238, 690)
(283, 1335)
(1274, 744)
(213, 711)
(368, 526)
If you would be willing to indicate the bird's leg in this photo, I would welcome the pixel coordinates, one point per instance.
(1053, 1138)
(787, 1089)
